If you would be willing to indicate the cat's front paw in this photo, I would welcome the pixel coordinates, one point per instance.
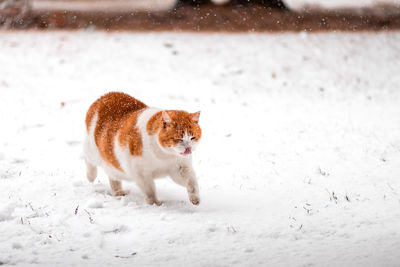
(158, 203)
(195, 199)
(152, 201)
(119, 193)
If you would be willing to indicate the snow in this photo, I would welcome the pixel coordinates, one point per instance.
(299, 162)
(6, 211)
(94, 203)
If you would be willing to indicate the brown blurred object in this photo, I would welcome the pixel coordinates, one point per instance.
(13, 12)
(180, 3)
(279, 4)
(202, 15)
(267, 3)
(14, 7)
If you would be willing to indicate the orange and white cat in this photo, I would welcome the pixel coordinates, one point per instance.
(134, 142)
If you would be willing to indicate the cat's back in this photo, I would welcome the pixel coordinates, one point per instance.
(112, 107)
(103, 120)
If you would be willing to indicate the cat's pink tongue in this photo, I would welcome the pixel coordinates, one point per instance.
(188, 151)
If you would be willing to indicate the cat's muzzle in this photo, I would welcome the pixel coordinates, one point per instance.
(188, 151)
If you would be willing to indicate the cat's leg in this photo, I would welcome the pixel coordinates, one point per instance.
(186, 177)
(91, 171)
(148, 188)
(116, 188)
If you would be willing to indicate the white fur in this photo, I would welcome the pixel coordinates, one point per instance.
(155, 161)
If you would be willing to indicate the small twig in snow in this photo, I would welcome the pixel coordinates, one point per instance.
(390, 186)
(308, 210)
(76, 210)
(90, 216)
(126, 257)
(323, 173)
(231, 228)
(394, 192)
(332, 196)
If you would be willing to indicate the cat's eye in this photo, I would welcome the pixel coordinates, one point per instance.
(193, 138)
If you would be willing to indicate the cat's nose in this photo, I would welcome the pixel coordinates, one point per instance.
(188, 150)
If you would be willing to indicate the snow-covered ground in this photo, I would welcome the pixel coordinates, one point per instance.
(299, 163)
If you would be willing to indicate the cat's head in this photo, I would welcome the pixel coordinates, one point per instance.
(179, 132)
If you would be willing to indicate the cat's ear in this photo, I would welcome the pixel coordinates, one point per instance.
(165, 117)
(195, 116)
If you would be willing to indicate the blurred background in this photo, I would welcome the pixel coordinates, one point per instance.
(197, 15)
(299, 162)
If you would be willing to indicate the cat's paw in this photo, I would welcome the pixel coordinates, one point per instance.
(152, 201)
(119, 193)
(195, 199)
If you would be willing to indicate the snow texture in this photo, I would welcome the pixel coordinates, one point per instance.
(299, 163)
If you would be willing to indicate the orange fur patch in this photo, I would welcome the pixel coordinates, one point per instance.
(171, 133)
(130, 135)
(114, 110)
(154, 123)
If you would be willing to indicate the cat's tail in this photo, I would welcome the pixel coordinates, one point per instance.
(91, 171)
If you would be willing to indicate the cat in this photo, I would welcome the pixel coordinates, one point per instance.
(133, 142)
